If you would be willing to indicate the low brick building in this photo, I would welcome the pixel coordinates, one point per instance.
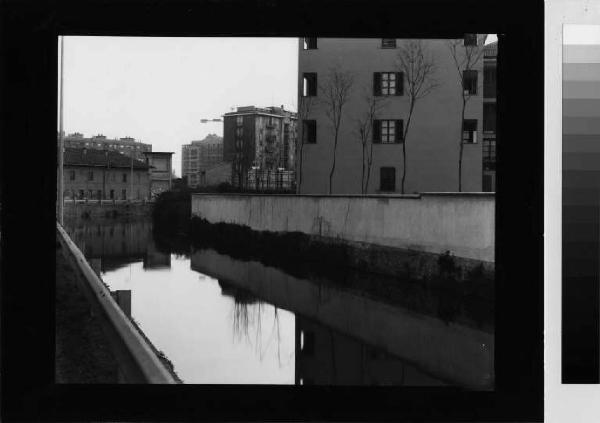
(96, 174)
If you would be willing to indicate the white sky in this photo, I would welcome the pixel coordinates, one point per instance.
(156, 90)
(581, 34)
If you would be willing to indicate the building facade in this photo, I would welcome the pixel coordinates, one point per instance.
(259, 139)
(160, 170)
(199, 156)
(490, 56)
(104, 175)
(128, 146)
(436, 130)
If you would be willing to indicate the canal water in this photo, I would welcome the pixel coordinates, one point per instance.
(222, 320)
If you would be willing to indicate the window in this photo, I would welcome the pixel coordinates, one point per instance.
(123, 194)
(470, 81)
(310, 84)
(388, 131)
(470, 131)
(388, 43)
(81, 194)
(387, 179)
(99, 193)
(72, 175)
(309, 131)
(489, 117)
(489, 82)
(124, 177)
(388, 83)
(239, 120)
(90, 175)
(90, 194)
(470, 40)
(310, 43)
(112, 194)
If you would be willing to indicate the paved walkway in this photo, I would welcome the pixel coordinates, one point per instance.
(82, 351)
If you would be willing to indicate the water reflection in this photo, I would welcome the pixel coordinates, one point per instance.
(221, 320)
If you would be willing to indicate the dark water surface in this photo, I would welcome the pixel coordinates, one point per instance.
(221, 320)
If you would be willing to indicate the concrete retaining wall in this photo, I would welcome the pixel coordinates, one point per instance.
(463, 224)
(453, 352)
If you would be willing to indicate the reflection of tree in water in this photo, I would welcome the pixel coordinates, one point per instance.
(248, 315)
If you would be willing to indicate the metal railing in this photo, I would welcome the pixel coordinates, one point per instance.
(136, 358)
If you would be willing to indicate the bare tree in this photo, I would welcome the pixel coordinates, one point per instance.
(418, 69)
(364, 126)
(303, 113)
(465, 57)
(335, 93)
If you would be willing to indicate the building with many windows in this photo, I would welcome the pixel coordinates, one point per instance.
(199, 156)
(436, 133)
(490, 56)
(104, 175)
(259, 140)
(128, 146)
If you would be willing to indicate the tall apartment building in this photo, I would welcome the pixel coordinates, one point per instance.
(259, 139)
(127, 145)
(436, 128)
(199, 156)
(490, 56)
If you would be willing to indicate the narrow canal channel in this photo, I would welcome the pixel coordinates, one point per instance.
(221, 320)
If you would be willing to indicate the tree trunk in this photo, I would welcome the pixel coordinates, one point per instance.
(405, 135)
(335, 141)
(362, 177)
(460, 156)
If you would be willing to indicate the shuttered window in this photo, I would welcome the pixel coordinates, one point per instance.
(388, 131)
(388, 83)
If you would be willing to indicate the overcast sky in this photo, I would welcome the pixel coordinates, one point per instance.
(581, 34)
(157, 90)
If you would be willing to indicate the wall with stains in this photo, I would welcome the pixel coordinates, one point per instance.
(461, 223)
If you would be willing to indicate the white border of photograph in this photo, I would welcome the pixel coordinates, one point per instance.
(572, 403)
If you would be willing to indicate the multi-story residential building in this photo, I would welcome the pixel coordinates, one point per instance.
(161, 173)
(199, 156)
(436, 129)
(104, 175)
(128, 146)
(259, 139)
(490, 56)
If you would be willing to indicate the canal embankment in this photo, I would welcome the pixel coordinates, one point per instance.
(415, 235)
(463, 354)
(112, 344)
(106, 208)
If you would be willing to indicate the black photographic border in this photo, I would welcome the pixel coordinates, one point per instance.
(28, 175)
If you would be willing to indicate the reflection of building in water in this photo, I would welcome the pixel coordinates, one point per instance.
(123, 299)
(113, 243)
(326, 357)
(155, 259)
